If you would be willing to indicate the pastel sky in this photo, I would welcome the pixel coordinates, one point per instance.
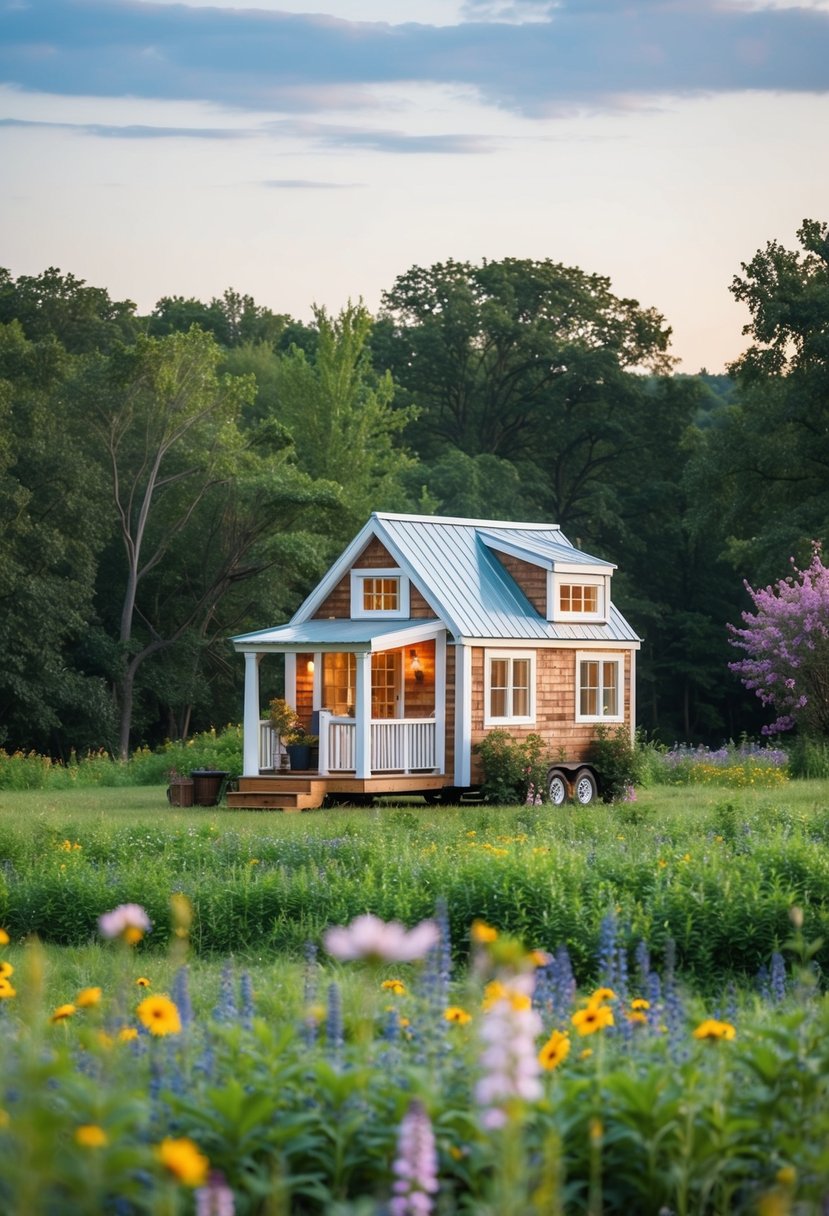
(309, 151)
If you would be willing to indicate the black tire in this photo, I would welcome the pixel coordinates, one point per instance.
(585, 789)
(558, 787)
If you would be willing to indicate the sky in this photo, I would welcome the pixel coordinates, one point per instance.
(310, 151)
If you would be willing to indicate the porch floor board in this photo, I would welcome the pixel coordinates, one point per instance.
(307, 791)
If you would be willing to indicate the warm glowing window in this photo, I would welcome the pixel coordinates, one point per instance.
(510, 688)
(578, 597)
(381, 594)
(599, 691)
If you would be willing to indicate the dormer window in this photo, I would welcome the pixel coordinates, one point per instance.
(578, 597)
(379, 593)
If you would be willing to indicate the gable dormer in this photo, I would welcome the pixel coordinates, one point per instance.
(563, 584)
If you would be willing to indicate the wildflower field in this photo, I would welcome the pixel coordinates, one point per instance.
(603, 1011)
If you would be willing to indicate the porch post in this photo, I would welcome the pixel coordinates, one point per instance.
(362, 709)
(250, 721)
(463, 714)
(440, 702)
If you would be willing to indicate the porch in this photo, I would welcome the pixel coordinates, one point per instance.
(395, 745)
(293, 792)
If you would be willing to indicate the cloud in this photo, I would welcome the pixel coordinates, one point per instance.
(324, 135)
(540, 57)
(130, 130)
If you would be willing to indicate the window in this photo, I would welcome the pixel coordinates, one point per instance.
(599, 687)
(339, 681)
(576, 597)
(509, 687)
(379, 593)
(579, 597)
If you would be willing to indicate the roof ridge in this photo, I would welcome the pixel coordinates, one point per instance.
(458, 520)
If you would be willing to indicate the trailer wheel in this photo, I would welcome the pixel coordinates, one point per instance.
(585, 789)
(558, 787)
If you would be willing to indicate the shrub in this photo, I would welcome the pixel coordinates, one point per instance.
(617, 761)
(515, 770)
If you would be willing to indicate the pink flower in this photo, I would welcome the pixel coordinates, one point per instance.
(368, 937)
(416, 1166)
(124, 921)
(509, 1060)
(216, 1198)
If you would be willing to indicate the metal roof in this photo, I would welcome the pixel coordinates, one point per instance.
(453, 564)
(337, 632)
(454, 567)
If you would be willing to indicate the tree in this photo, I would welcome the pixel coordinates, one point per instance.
(786, 641)
(164, 424)
(531, 362)
(52, 528)
(339, 411)
(83, 319)
(769, 460)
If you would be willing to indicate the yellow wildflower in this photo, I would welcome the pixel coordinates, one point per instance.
(87, 997)
(160, 1015)
(639, 1002)
(62, 1013)
(395, 986)
(127, 1034)
(482, 933)
(143, 982)
(455, 1014)
(601, 995)
(494, 991)
(184, 1161)
(713, 1029)
(89, 1135)
(554, 1051)
(6, 969)
(593, 1018)
(4, 938)
(6, 990)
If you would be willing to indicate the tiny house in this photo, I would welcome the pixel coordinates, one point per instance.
(427, 633)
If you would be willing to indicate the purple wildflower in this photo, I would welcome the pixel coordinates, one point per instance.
(416, 1165)
(216, 1198)
(129, 921)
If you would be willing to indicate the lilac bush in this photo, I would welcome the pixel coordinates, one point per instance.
(786, 641)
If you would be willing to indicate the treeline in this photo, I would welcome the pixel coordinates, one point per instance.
(169, 480)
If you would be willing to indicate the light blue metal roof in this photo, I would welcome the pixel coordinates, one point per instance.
(333, 632)
(453, 564)
(456, 570)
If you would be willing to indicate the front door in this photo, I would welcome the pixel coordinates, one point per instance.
(386, 685)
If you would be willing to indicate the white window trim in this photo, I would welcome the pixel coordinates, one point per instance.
(489, 655)
(358, 577)
(597, 656)
(578, 580)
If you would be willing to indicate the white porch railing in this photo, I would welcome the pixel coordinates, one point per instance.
(401, 745)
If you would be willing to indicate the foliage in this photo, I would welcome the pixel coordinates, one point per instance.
(209, 749)
(515, 770)
(301, 1113)
(787, 643)
(282, 716)
(617, 760)
(711, 883)
(744, 764)
(809, 757)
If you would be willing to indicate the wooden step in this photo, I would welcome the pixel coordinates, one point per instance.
(277, 799)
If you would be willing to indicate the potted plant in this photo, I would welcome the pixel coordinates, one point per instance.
(284, 720)
(299, 746)
(179, 789)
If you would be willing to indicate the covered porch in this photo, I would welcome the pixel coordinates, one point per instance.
(373, 694)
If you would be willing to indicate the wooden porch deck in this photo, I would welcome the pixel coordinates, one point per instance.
(305, 791)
